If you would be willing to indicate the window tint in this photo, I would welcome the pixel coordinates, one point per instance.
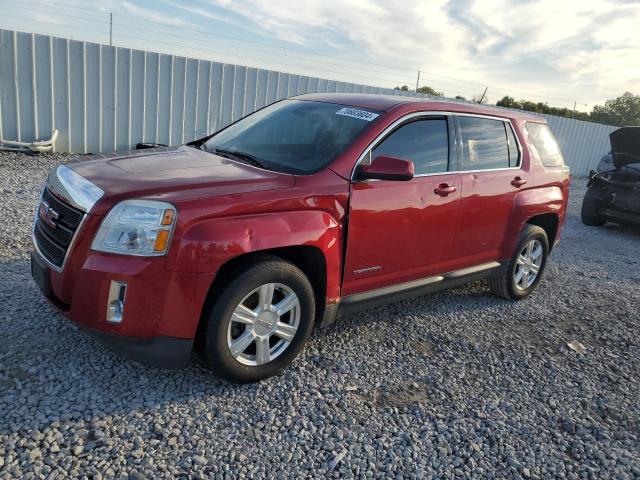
(545, 144)
(514, 154)
(484, 144)
(294, 136)
(424, 142)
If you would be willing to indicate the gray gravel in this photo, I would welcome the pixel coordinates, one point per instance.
(455, 384)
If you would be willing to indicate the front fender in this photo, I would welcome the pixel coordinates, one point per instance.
(528, 204)
(206, 245)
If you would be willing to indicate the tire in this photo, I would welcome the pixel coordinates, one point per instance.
(589, 212)
(264, 343)
(513, 285)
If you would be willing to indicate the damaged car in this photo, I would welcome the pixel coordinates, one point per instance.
(614, 195)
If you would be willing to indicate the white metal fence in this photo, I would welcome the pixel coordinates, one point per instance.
(103, 98)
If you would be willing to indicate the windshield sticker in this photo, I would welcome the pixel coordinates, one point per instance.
(355, 113)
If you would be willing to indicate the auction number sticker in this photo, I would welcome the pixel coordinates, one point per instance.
(355, 113)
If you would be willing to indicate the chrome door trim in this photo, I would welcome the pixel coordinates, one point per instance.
(436, 113)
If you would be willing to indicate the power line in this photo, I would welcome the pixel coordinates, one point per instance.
(260, 50)
(434, 77)
(172, 44)
(228, 37)
(389, 76)
(184, 46)
(369, 78)
(54, 25)
(425, 73)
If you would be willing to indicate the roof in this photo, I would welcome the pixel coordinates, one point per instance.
(387, 102)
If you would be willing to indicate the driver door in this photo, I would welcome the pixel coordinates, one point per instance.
(400, 231)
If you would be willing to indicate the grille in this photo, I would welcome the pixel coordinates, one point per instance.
(69, 215)
(53, 242)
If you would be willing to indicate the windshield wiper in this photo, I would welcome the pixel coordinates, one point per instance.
(245, 157)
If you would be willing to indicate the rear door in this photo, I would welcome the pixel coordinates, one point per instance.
(490, 169)
(401, 231)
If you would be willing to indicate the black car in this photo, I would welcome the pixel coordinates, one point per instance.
(614, 195)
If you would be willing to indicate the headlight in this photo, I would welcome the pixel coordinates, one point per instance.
(137, 227)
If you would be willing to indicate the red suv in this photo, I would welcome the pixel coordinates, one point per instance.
(303, 211)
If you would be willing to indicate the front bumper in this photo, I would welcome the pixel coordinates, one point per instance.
(621, 216)
(162, 352)
(161, 312)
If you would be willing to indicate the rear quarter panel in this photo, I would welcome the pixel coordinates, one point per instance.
(528, 204)
(548, 192)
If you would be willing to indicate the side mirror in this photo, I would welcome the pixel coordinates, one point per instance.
(386, 168)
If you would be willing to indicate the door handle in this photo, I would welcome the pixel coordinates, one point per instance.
(443, 189)
(518, 182)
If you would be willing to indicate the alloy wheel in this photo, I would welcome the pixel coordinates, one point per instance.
(528, 264)
(263, 324)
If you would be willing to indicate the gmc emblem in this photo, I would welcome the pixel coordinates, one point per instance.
(48, 215)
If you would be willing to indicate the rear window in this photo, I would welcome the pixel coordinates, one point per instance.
(484, 144)
(545, 144)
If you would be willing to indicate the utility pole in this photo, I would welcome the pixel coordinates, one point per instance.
(574, 110)
(417, 80)
(483, 94)
(110, 29)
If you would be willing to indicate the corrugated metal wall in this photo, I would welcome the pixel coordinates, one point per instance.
(104, 98)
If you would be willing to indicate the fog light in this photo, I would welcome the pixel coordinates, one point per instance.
(115, 302)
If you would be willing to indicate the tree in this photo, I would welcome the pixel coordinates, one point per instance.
(404, 88)
(460, 97)
(427, 90)
(508, 102)
(477, 98)
(540, 107)
(620, 111)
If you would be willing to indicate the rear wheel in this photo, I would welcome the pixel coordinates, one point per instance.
(524, 271)
(259, 322)
(589, 212)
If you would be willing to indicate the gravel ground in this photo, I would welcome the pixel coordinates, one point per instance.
(455, 384)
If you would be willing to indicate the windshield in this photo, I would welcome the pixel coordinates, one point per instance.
(292, 136)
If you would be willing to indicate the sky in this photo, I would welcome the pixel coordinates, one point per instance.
(556, 51)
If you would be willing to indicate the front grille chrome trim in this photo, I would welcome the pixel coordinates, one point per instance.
(74, 189)
(35, 243)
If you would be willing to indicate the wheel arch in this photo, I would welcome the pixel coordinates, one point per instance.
(549, 223)
(309, 259)
(544, 207)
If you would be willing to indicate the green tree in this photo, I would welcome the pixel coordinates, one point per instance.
(508, 102)
(404, 88)
(427, 90)
(540, 107)
(620, 111)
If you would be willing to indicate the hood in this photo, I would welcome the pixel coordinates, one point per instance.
(184, 172)
(625, 146)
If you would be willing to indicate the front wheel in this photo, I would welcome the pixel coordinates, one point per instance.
(259, 322)
(524, 271)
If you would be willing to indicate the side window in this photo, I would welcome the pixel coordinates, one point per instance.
(424, 142)
(514, 154)
(545, 144)
(484, 143)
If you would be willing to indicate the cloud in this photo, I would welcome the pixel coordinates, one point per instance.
(44, 18)
(154, 15)
(549, 49)
(199, 11)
